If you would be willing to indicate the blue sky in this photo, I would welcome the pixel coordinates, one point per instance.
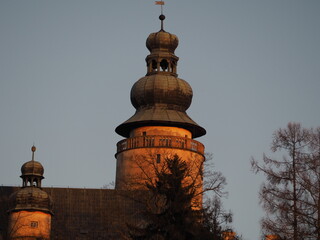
(67, 67)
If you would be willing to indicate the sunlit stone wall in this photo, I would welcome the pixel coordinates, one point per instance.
(29, 225)
(145, 152)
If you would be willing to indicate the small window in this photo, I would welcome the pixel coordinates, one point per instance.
(154, 65)
(34, 224)
(144, 133)
(158, 158)
(164, 65)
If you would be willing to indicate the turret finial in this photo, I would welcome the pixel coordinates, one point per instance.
(162, 17)
(33, 149)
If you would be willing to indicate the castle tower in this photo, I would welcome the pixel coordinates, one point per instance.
(30, 208)
(160, 127)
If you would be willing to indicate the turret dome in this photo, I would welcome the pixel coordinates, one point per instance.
(162, 41)
(32, 168)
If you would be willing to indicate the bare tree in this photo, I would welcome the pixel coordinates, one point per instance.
(282, 195)
(213, 181)
(295, 181)
(309, 179)
(216, 218)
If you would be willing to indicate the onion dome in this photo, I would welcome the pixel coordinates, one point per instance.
(161, 98)
(162, 40)
(30, 199)
(32, 168)
(175, 93)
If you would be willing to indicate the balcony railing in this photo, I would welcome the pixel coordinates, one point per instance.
(160, 142)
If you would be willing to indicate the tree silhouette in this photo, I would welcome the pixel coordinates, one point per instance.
(169, 210)
(290, 195)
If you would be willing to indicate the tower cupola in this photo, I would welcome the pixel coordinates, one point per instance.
(162, 46)
(32, 172)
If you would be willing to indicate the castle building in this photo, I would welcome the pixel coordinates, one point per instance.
(160, 128)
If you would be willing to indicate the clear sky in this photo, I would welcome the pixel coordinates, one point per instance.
(67, 67)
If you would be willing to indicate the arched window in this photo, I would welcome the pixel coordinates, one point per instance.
(154, 65)
(29, 182)
(164, 64)
(35, 183)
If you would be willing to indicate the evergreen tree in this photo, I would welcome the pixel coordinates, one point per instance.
(169, 210)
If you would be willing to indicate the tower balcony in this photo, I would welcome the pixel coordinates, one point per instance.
(160, 142)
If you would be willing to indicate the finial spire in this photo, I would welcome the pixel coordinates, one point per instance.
(33, 149)
(161, 17)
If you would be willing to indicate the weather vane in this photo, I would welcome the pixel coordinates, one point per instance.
(161, 3)
(161, 17)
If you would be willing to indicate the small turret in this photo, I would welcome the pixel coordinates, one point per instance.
(30, 208)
